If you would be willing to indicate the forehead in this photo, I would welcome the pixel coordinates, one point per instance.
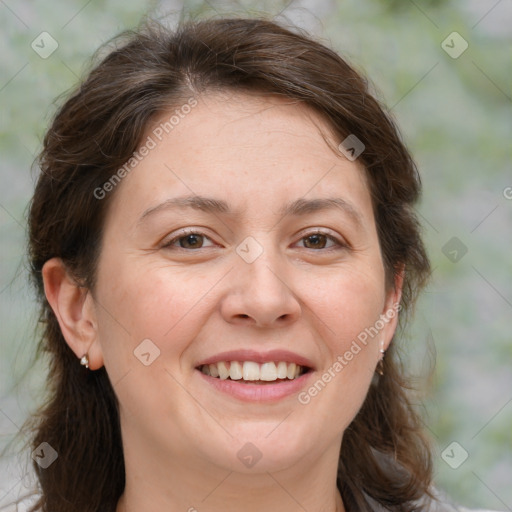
(253, 150)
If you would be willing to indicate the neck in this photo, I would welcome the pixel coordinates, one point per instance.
(156, 483)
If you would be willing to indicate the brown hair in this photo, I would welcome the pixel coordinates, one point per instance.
(384, 455)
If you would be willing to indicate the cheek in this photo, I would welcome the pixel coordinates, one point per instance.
(348, 301)
(164, 305)
(348, 307)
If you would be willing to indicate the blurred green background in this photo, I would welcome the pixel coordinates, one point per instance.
(454, 109)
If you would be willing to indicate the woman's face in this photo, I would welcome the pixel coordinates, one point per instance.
(240, 239)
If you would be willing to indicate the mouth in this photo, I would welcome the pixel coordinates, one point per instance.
(255, 376)
(251, 372)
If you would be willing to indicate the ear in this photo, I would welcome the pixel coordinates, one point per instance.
(74, 308)
(392, 308)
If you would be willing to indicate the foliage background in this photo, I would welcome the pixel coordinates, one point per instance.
(455, 115)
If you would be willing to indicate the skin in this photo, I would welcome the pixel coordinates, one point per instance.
(180, 435)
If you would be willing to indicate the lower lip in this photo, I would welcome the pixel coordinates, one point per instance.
(258, 392)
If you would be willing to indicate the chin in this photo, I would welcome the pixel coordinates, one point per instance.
(260, 447)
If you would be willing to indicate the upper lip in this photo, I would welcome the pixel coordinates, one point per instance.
(258, 357)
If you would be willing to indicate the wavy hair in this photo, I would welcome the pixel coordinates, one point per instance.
(384, 456)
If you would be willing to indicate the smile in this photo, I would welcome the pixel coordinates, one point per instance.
(253, 372)
(255, 376)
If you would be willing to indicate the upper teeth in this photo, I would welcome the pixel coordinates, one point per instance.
(249, 370)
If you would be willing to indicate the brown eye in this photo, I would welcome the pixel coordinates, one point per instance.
(316, 241)
(191, 240)
(320, 240)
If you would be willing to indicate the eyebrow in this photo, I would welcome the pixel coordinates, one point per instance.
(298, 207)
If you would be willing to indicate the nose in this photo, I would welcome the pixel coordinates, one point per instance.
(261, 294)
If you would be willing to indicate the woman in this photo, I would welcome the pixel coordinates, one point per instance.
(223, 240)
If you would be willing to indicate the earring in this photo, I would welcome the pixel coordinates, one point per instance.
(380, 364)
(85, 361)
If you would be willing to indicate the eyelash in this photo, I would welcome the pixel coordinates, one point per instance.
(184, 234)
